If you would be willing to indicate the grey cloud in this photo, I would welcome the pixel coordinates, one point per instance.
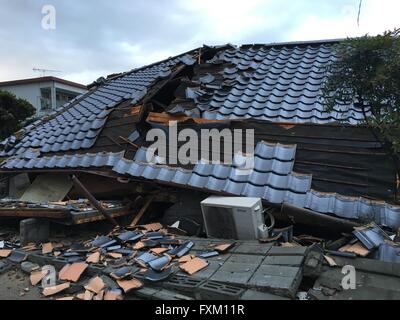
(93, 36)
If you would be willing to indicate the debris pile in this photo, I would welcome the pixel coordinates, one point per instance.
(129, 257)
(67, 212)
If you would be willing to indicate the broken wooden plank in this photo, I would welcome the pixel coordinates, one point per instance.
(93, 200)
(142, 211)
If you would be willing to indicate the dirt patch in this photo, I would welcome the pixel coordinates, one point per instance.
(14, 285)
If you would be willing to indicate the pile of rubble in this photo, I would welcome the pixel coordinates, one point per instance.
(148, 250)
(156, 262)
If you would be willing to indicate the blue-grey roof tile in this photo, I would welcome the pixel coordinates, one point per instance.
(91, 110)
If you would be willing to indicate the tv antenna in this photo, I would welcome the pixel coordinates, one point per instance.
(359, 13)
(44, 71)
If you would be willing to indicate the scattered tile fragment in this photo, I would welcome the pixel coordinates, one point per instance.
(66, 299)
(160, 263)
(99, 296)
(99, 241)
(94, 258)
(5, 253)
(121, 273)
(182, 250)
(95, 285)
(186, 258)
(194, 266)
(139, 245)
(206, 255)
(28, 267)
(73, 272)
(223, 248)
(47, 248)
(155, 276)
(17, 257)
(129, 285)
(51, 291)
(113, 295)
(356, 248)
(37, 276)
(331, 261)
(146, 257)
(30, 247)
(115, 255)
(159, 251)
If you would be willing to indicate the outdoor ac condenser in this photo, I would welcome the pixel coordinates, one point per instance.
(232, 218)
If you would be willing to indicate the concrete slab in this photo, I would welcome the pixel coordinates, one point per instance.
(294, 261)
(369, 286)
(252, 248)
(293, 251)
(34, 231)
(264, 296)
(245, 258)
(235, 273)
(213, 290)
(280, 280)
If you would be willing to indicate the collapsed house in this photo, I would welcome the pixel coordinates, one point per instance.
(324, 170)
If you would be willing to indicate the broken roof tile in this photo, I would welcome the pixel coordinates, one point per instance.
(50, 291)
(129, 285)
(94, 258)
(72, 272)
(37, 276)
(113, 295)
(95, 285)
(155, 276)
(194, 265)
(5, 253)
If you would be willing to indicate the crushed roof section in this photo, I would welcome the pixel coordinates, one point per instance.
(272, 83)
(264, 182)
(272, 180)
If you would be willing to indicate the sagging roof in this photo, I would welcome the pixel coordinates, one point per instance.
(272, 179)
(277, 83)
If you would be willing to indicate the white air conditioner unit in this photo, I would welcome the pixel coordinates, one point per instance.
(233, 218)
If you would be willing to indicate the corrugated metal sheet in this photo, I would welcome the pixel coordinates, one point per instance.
(274, 83)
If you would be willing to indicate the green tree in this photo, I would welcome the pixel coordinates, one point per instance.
(367, 73)
(13, 112)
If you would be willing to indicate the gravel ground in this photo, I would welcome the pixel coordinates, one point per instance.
(14, 285)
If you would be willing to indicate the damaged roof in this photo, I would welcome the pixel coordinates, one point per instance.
(278, 83)
(274, 83)
(77, 124)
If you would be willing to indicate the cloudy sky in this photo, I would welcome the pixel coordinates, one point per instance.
(94, 38)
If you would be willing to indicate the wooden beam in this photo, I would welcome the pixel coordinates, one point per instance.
(93, 200)
(142, 211)
(34, 213)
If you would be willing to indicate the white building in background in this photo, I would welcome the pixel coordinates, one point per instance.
(45, 93)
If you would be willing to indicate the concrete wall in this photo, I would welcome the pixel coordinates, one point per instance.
(31, 92)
